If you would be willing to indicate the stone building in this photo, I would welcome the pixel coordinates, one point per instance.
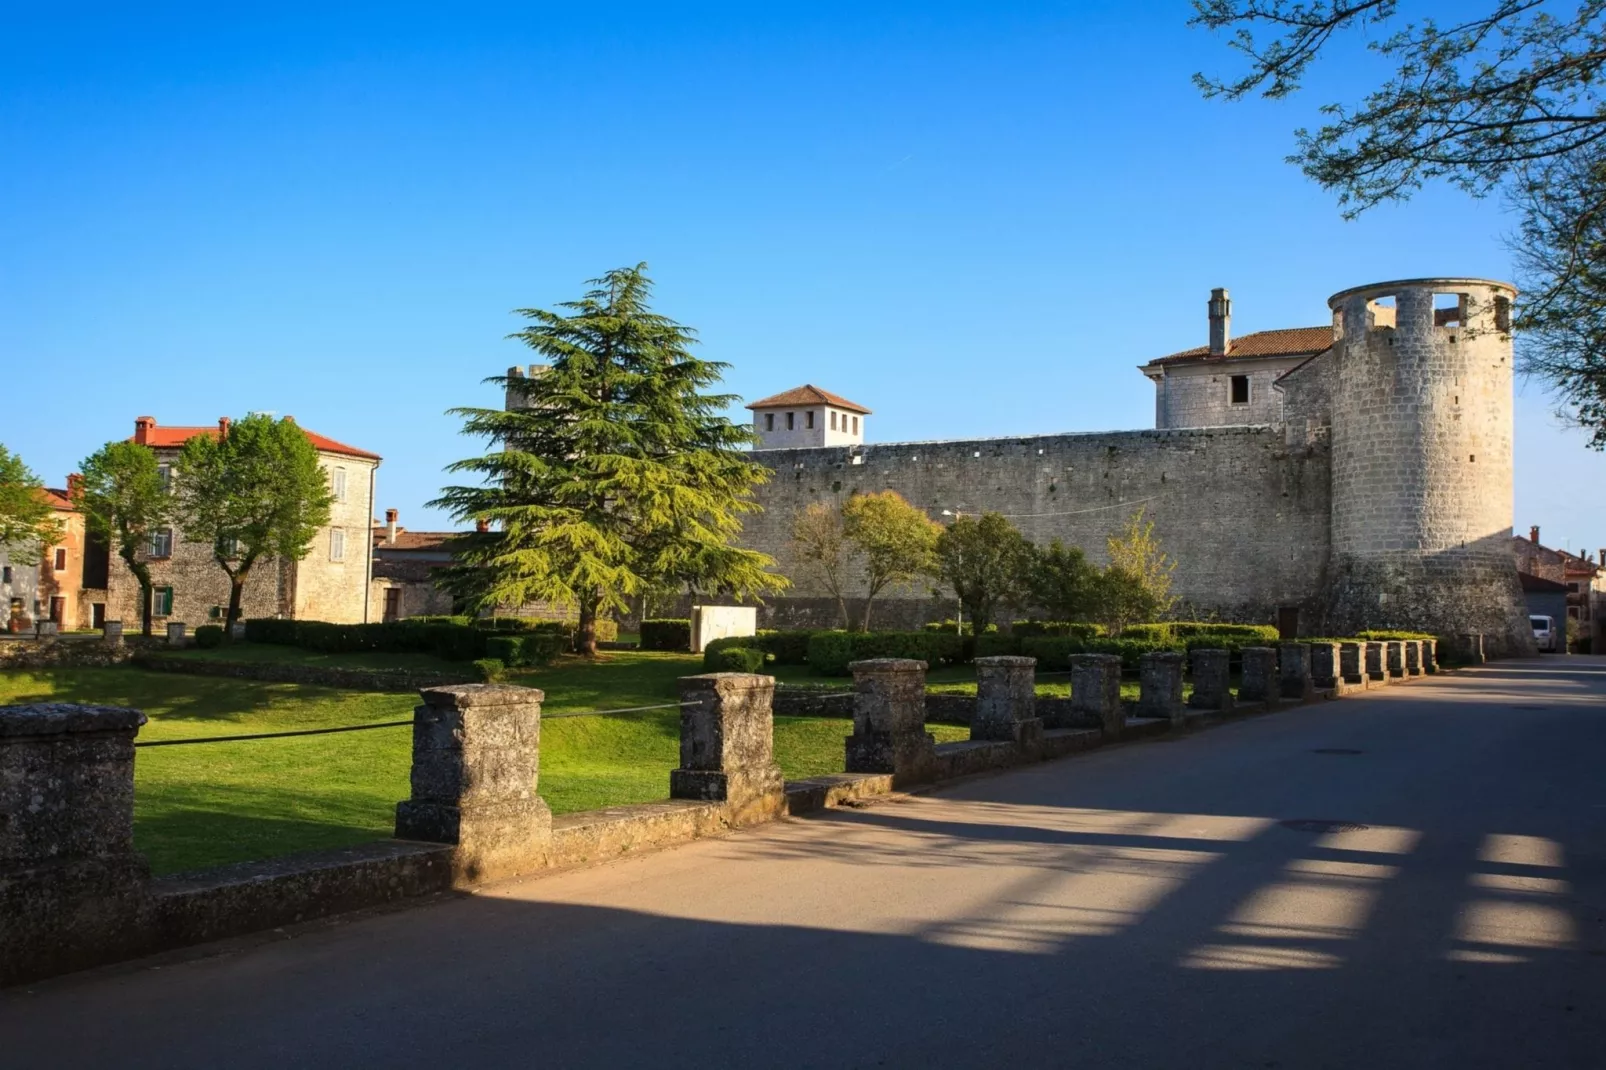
(66, 595)
(330, 584)
(807, 416)
(1581, 581)
(405, 564)
(1326, 478)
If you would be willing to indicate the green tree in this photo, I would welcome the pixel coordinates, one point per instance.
(897, 542)
(821, 543)
(124, 501)
(1505, 97)
(1061, 582)
(987, 562)
(256, 492)
(613, 472)
(1136, 585)
(27, 522)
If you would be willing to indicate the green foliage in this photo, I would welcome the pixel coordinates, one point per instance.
(1389, 636)
(831, 652)
(1075, 629)
(613, 473)
(666, 634)
(995, 644)
(257, 491)
(209, 636)
(986, 561)
(27, 520)
(821, 544)
(123, 501)
(734, 659)
(786, 648)
(449, 641)
(1061, 581)
(489, 670)
(896, 540)
(1054, 653)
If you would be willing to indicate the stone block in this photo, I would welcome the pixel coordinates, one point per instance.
(1469, 649)
(1260, 681)
(1376, 671)
(889, 721)
(1293, 672)
(47, 629)
(1096, 691)
(1325, 662)
(1352, 663)
(1413, 657)
(1006, 700)
(475, 773)
(1430, 655)
(112, 631)
(175, 633)
(1160, 686)
(1212, 680)
(1394, 659)
(727, 746)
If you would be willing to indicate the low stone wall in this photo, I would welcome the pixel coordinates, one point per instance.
(400, 681)
(72, 651)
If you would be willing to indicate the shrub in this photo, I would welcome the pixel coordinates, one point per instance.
(992, 646)
(462, 620)
(1250, 633)
(1153, 632)
(1383, 636)
(508, 649)
(666, 634)
(489, 670)
(608, 631)
(541, 648)
(209, 636)
(734, 659)
(1067, 628)
(1053, 652)
(787, 648)
(270, 630)
(830, 652)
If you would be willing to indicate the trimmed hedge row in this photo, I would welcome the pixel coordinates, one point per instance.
(666, 634)
(1244, 634)
(831, 652)
(511, 640)
(1072, 629)
(209, 636)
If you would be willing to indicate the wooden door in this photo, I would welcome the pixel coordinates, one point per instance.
(1288, 623)
(392, 603)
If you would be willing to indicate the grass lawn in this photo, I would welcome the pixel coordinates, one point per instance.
(250, 652)
(226, 802)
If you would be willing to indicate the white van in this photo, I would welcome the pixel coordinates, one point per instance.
(1544, 633)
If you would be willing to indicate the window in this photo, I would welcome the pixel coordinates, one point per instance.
(230, 548)
(5, 573)
(337, 544)
(808, 419)
(1573, 587)
(833, 419)
(791, 420)
(769, 421)
(339, 484)
(1240, 389)
(161, 601)
(164, 472)
(61, 559)
(855, 426)
(161, 543)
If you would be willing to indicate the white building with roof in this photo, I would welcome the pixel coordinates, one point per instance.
(807, 416)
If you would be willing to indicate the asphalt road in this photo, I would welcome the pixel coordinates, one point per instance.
(1142, 906)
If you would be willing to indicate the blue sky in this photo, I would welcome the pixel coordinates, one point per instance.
(974, 218)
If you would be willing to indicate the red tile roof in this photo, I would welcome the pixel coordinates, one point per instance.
(808, 394)
(1289, 342)
(414, 540)
(159, 437)
(58, 499)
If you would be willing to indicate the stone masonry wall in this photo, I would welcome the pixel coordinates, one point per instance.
(337, 590)
(1245, 516)
(1199, 394)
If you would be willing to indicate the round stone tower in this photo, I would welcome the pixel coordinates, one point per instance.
(1422, 474)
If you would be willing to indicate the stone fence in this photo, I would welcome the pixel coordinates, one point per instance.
(74, 893)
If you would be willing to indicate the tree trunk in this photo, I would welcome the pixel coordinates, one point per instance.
(864, 620)
(585, 638)
(236, 594)
(842, 611)
(142, 573)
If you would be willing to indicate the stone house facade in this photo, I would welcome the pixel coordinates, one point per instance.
(331, 583)
(807, 416)
(405, 564)
(1582, 581)
(65, 594)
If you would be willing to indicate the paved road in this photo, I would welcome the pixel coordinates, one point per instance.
(1144, 906)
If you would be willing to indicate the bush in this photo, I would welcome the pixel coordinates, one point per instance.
(734, 659)
(953, 627)
(787, 648)
(1151, 632)
(1248, 634)
(831, 652)
(489, 670)
(992, 646)
(508, 649)
(1066, 628)
(270, 630)
(1372, 636)
(209, 636)
(666, 634)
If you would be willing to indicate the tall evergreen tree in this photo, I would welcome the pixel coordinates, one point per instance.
(614, 471)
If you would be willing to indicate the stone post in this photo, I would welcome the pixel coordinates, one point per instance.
(1430, 655)
(1469, 648)
(47, 629)
(1413, 657)
(476, 762)
(1352, 663)
(1376, 671)
(1212, 680)
(1394, 659)
(175, 633)
(1006, 701)
(1294, 679)
(889, 721)
(237, 631)
(727, 746)
(1260, 681)
(1325, 673)
(113, 632)
(1096, 691)
(1160, 686)
(71, 884)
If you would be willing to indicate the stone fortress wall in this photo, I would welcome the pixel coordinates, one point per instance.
(1379, 496)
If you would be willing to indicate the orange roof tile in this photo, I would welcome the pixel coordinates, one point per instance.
(58, 499)
(173, 437)
(1288, 342)
(415, 540)
(808, 394)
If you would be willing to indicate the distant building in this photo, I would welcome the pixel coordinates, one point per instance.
(404, 571)
(807, 416)
(65, 596)
(1583, 581)
(330, 583)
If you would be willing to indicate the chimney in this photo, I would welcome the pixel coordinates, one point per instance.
(142, 429)
(1533, 534)
(390, 527)
(482, 526)
(223, 423)
(75, 490)
(289, 419)
(1220, 322)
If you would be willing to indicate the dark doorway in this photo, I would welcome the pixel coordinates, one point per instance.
(58, 610)
(393, 603)
(97, 615)
(1288, 622)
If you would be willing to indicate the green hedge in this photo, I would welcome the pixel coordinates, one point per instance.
(831, 652)
(786, 648)
(449, 641)
(734, 659)
(666, 634)
(489, 670)
(209, 636)
(1054, 652)
(1066, 628)
(1385, 636)
(530, 650)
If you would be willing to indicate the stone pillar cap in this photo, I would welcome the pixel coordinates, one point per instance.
(463, 695)
(887, 665)
(59, 718)
(1006, 661)
(727, 681)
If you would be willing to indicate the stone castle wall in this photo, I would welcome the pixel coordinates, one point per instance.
(1244, 515)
